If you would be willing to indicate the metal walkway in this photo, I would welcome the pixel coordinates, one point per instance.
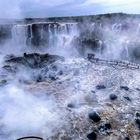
(113, 63)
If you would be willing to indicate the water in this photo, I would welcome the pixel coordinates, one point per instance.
(52, 99)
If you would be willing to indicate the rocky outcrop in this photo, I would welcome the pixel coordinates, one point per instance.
(5, 33)
(33, 60)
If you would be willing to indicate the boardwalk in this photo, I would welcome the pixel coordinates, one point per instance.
(114, 63)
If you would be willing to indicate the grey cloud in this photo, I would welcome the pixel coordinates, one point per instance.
(48, 8)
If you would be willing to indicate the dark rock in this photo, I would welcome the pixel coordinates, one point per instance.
(137, 89)
(138, 114)
(127, 98)
(105, 128)
(34, 60)
(54, 68)
(60, 83)
(25, 54)
(93, 91)
(91, 56)
(3, 82)
(92, 136)
(52, 77)
(39, 79)
(137, 119)
(124, 88)
(99, 87)
(71, 105)
(138, 122)
(94, 116)
(126, 138)
(113, 97)
(9, 68)
(60, 72)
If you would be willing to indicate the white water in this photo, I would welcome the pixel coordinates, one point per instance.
(40, 109)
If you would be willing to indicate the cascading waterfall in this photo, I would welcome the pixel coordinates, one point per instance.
(68, 38)
(51, 89)
(50, 37)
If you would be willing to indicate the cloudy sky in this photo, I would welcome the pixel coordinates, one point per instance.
(51, 8)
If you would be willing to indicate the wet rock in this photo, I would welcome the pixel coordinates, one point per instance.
(34, 60)
(93, 91)
(52, 77)
(71, 105)
(124, 88)
(92, 136)
(94, 116)
(99, 87)
(126, 138)
(39, 79)
(138, 122)
(9, 68)
(137, 114)
(127, 98)
(91, 56)
(113, 97)
(137, 89)
(105, 128)
(60, 72)
(54, 68)
(137, 119)
(3, 82)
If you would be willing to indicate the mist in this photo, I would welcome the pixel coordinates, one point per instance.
(66, 76)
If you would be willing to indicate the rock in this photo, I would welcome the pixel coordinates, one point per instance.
(137, 89)
(126, 138)
(137, 119)
(3, 82)
(34, 60)
(60, 72)
(127, 98)
(124, 88)
(105, 128)
(99, 87)
(94, 116)
(138, 122)
(113, 97)
(54, 68)
(92, 136)
(39, 79)
(52, 77)
(93, 91)
(137, 114)
(91, 56)
(71, 105)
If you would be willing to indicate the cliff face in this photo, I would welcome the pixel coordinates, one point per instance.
(113, 36)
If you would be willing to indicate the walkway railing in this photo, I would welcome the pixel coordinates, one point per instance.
(114, 63)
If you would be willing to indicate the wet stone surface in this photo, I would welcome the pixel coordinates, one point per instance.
(92, 136)
(94, 116)
(113, 97)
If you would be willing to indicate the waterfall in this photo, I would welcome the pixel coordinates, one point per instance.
(117, 27)
(72, 38)
(42, 36)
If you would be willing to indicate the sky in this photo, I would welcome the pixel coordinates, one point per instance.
(53, 8)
